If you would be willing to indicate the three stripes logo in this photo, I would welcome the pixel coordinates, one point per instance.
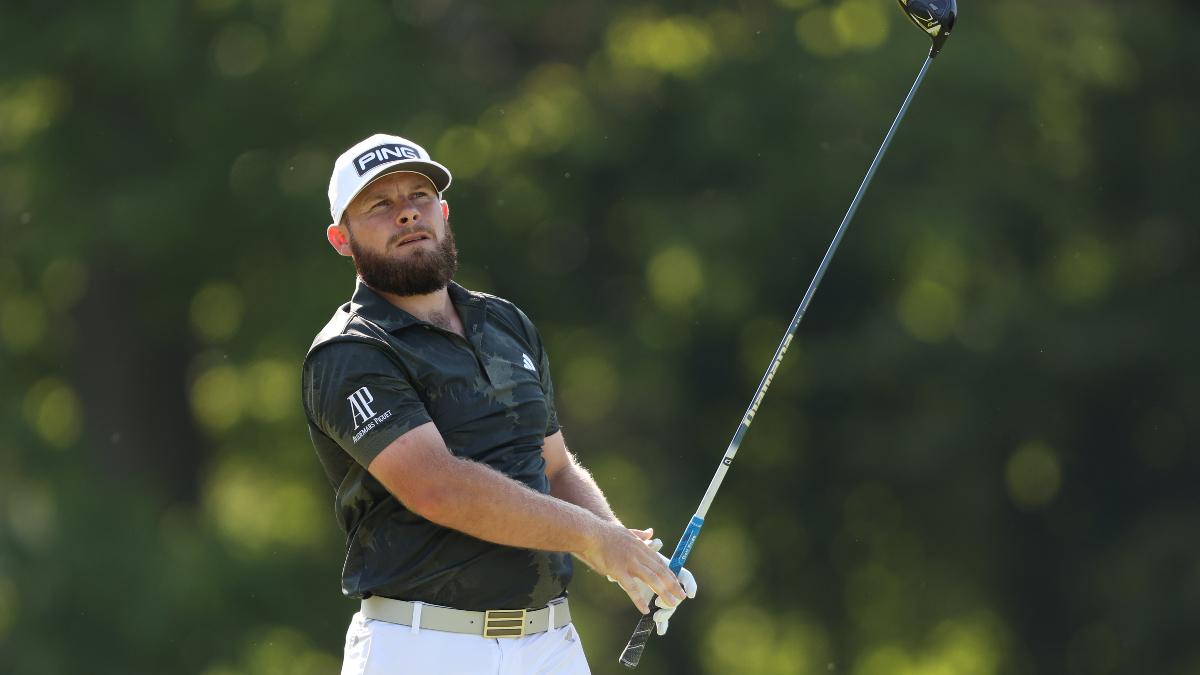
(528, 363)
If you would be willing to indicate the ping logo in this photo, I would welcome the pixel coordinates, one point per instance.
(383, 154)
(360, 406)
(528, 363)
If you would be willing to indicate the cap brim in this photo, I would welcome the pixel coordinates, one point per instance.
(436, 173)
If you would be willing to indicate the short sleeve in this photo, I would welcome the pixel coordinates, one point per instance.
(359, 397)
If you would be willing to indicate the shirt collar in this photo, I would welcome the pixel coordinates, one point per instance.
(374, 307)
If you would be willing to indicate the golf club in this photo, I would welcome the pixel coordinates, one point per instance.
(935, 18)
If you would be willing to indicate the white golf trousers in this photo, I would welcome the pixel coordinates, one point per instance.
(382, 648)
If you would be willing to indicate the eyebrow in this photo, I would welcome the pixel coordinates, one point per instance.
(383, 194)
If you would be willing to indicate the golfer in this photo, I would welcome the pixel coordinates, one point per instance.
(432, 411)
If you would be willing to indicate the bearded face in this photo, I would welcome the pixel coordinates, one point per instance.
(419, 272)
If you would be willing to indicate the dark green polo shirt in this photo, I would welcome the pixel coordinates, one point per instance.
(374, 373)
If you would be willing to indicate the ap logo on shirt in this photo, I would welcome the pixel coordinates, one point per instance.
(360, 406)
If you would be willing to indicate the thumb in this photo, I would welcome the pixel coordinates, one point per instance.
(644, 535)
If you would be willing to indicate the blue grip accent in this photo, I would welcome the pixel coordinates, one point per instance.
(684, 547)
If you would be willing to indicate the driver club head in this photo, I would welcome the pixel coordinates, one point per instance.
(934, 17)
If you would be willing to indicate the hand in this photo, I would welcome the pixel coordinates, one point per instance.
(624, 556)
(663, 615)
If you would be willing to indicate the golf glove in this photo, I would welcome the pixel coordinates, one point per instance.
(663, 614)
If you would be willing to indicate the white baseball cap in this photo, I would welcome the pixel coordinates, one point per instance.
(378, 156)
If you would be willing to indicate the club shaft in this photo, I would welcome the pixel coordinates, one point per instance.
(637, 643)
(812, 289)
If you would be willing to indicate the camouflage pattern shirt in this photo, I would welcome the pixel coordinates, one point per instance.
(375, 372)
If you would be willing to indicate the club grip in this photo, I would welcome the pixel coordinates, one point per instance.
(645, 626)
(637, 642)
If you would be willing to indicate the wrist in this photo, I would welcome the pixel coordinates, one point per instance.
(593, 540)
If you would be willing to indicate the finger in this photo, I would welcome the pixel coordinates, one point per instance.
(659, 578)
(663, 603)
(663, 568)
(688, 582)
(630, 587)
(662, 627)
(644, 535)
(664, 614)
(655, 545)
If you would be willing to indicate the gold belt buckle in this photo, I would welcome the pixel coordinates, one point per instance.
(498, 623)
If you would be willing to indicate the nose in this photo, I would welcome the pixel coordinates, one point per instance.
(408, 214)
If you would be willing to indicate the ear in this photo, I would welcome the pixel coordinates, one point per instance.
(339, 238)
(445, 210)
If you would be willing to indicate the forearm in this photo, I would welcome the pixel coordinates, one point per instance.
(477, 500)
(575, 484)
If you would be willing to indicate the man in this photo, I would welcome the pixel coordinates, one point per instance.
(432, 411)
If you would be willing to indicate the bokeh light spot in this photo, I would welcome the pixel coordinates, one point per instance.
(815, 31)
(465, 150)
(675, 276)
(1033, 475)
(33, 515)
(551, 111)
(22, 322)
(216, 311)
(678, 45)
(939, 260)
(217, 398)
(928, 310)
(590, 388)
(748, 641)
(1082, 270)
(29, 106)
(54, 411)
(64, 282)
(305, 22)
(860, 24)
(271, 385)
(726, 560)
(255, 508)
(966, 646)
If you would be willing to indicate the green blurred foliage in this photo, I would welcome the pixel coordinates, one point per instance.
(980, 456)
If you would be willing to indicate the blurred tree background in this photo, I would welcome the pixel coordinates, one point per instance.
(979, 458)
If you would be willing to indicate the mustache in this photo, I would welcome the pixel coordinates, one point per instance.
(423, 229)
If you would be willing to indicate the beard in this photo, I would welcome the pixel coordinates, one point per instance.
(421, 272)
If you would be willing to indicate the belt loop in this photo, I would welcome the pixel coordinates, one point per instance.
(550, 619)
(416, 620)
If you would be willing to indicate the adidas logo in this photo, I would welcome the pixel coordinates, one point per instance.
(528, 363)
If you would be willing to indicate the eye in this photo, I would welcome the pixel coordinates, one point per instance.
(379, 204)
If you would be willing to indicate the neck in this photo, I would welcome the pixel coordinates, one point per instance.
(437, 308)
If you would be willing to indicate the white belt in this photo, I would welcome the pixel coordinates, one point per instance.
(492, 624)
